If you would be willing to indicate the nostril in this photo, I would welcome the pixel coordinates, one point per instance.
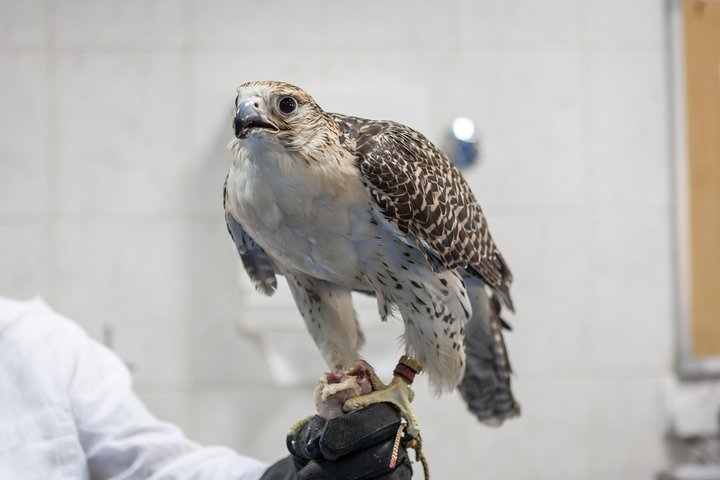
(256, 104)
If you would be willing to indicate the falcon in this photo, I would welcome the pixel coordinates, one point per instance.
(337, 204)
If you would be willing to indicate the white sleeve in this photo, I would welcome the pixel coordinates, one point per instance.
(120, 437)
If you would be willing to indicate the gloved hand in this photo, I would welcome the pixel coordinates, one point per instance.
(353, 446)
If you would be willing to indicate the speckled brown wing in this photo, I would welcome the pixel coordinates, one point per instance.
(256, 262)
(426, 198)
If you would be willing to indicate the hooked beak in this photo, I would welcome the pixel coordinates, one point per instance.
(248, 118)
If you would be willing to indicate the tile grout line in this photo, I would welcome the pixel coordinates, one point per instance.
(50, 154)
(590, 209)
(190, 407)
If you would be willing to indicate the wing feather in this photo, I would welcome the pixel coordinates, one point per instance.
(418, 190)
(256, 262)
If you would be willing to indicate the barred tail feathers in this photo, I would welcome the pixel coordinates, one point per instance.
(485, 386)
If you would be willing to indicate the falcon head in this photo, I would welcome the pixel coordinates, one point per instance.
(281, 113)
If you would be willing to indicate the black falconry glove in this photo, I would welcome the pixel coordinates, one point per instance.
(353, 446)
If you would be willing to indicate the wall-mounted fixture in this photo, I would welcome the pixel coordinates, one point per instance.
(462, 144)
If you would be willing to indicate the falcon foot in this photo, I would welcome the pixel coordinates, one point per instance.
(397, 392)
(346, 390)
(297, 426)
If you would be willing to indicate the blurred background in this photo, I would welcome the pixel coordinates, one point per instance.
(114, 117)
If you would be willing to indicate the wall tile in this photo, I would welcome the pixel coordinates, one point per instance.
(23, 151)
(175, 280)
(552, 290)
(617, 26)
(398, 26)
(252, 421)
(628, 140)
(529, 114)
(321, 31)
(167, 405)
(24, 256)
(135, 278)
(161, 358)
(22, 24)
(226, 25)
(632, 293)
(554, 419)
(525, 25)
(121, 124)
(585, 416)
(102, 24)
(626, 425)
(222, 353)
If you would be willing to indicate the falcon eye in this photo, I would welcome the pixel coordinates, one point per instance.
(287, 105)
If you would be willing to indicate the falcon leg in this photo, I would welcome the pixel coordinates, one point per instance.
(397, 392)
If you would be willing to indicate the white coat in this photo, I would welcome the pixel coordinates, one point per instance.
(68, 411)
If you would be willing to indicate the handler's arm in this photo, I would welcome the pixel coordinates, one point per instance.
(122, 439)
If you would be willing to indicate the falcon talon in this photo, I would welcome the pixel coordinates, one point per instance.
(297, 426)
(398, 393)
(416, 444)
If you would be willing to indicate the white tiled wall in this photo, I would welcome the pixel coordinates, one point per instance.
(114, 116)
